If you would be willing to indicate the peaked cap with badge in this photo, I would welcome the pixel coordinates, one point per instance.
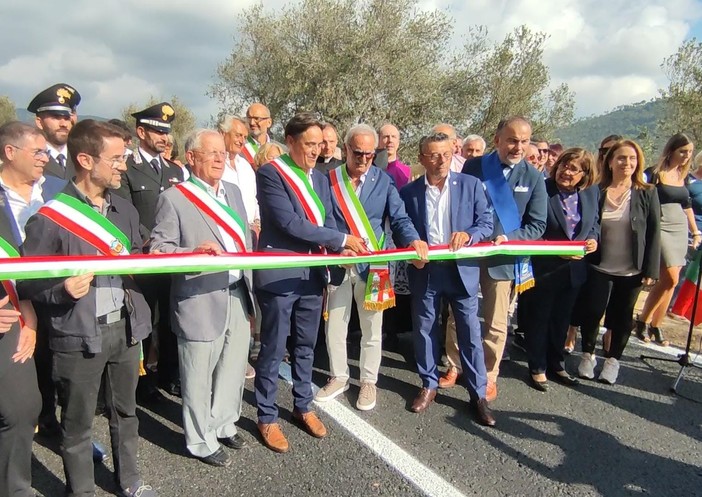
(157, 117)
(61, 99)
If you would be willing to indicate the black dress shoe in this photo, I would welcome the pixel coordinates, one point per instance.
(218, 458)
(236, 442)
(173, 388)
(49, 427)
(541, 386)
(565, 379)
(483, 414)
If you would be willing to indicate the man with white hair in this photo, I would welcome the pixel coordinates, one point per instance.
(364, 199)
(473, 146)
(210, 310)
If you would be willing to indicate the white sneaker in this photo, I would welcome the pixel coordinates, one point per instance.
(610, 371)
(333, 388)
(366, 397)
(586, 368)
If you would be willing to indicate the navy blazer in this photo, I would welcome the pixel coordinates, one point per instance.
(527, 185)
(469, 213)
(285, 228)
(52, 185)
(381, 201)
(588, 205)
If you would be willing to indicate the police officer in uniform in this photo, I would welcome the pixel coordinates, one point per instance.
(147, 175)
(55, 110)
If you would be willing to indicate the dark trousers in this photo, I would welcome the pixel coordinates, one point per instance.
(20, 404)
(544, 315)
(157, 290)
(445, 284)
(43, 359)
(77, 376)
(281, 315)
(616, 294)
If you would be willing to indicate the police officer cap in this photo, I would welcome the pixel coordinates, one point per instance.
(59, 99)
(157, 117)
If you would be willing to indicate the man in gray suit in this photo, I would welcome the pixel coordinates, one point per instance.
(209, 311)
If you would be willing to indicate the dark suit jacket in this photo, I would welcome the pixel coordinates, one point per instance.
(53, 168)
(325, 167)
(141, 185)
(285, 228)
(645, 214)
(588, 200)
(527, 185)
(469, 213)
(72, 323)
(382, 202)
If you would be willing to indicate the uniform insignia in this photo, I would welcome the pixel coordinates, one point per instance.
(63, 94)
(173, 181)
(167, 112)
(137, 158)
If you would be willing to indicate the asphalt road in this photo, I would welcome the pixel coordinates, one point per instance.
(634, 438)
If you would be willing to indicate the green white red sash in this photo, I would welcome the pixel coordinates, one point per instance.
(379, 292)
(250, 149)
(300, 184)
(7, 250)
(83, 221)
(224, 217)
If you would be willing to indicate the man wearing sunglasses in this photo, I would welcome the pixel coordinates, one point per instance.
(364, 199)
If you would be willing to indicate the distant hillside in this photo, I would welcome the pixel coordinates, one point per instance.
(25, 116)
(628, 120)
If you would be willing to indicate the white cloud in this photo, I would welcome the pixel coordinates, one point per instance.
(121, 52)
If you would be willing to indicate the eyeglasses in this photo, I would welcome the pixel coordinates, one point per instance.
(212, 154)
(37, 153)
(438, 157)
(115, 162)
(257, 119)
(360, 154)
(570, 169)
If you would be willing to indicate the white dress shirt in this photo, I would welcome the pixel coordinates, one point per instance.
(21, 209)
(56, 151)
(438, 213)
(229, 243)
(243, 176)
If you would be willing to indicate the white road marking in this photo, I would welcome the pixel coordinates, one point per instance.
(397, 458)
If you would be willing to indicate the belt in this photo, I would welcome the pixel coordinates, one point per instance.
(113, 317)
(235, 286)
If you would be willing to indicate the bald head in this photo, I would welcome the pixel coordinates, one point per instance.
(449, 131)
(258, 119)
(389, 139)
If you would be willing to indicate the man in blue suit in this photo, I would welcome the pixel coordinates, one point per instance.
(364, 198)
(447, 209)
(517, 197)
(296, 216)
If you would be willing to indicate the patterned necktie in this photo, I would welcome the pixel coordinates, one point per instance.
(61, 160)
(156, 165)
(570, 205)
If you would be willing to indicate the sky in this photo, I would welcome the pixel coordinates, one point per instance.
(121, 52)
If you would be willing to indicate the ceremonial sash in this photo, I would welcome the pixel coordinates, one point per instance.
(250, 149)
(379, 292)
(7, 250)
(300, 184)
(87, 224)
(224, 217)
(507, 213)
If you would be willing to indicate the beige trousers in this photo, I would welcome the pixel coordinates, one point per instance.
(496, 300)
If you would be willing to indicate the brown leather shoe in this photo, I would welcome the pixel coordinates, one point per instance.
(448, 380)
(482, 412)
(311, 423)
(273, 437)
(491, 391)
(421, 402)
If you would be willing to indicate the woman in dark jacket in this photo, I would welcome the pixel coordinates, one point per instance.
(572, 215)
(628, 256)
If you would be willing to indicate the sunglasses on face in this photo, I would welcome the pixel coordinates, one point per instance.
(360, 154)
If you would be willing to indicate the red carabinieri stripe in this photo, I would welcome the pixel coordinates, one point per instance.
(77, 230)
(298, 193)
(216, 218)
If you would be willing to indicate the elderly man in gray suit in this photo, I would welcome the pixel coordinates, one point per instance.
(209, 310)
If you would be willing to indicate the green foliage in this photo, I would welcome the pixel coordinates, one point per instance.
(684, 93)
(183, 123)
(7, 110)
(379, 61)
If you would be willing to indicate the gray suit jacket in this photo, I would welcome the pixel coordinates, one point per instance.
(199, 302)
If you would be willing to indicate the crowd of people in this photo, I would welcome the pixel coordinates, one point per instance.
(91, 344)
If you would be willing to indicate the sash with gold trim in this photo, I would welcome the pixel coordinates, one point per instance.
(380, 294)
